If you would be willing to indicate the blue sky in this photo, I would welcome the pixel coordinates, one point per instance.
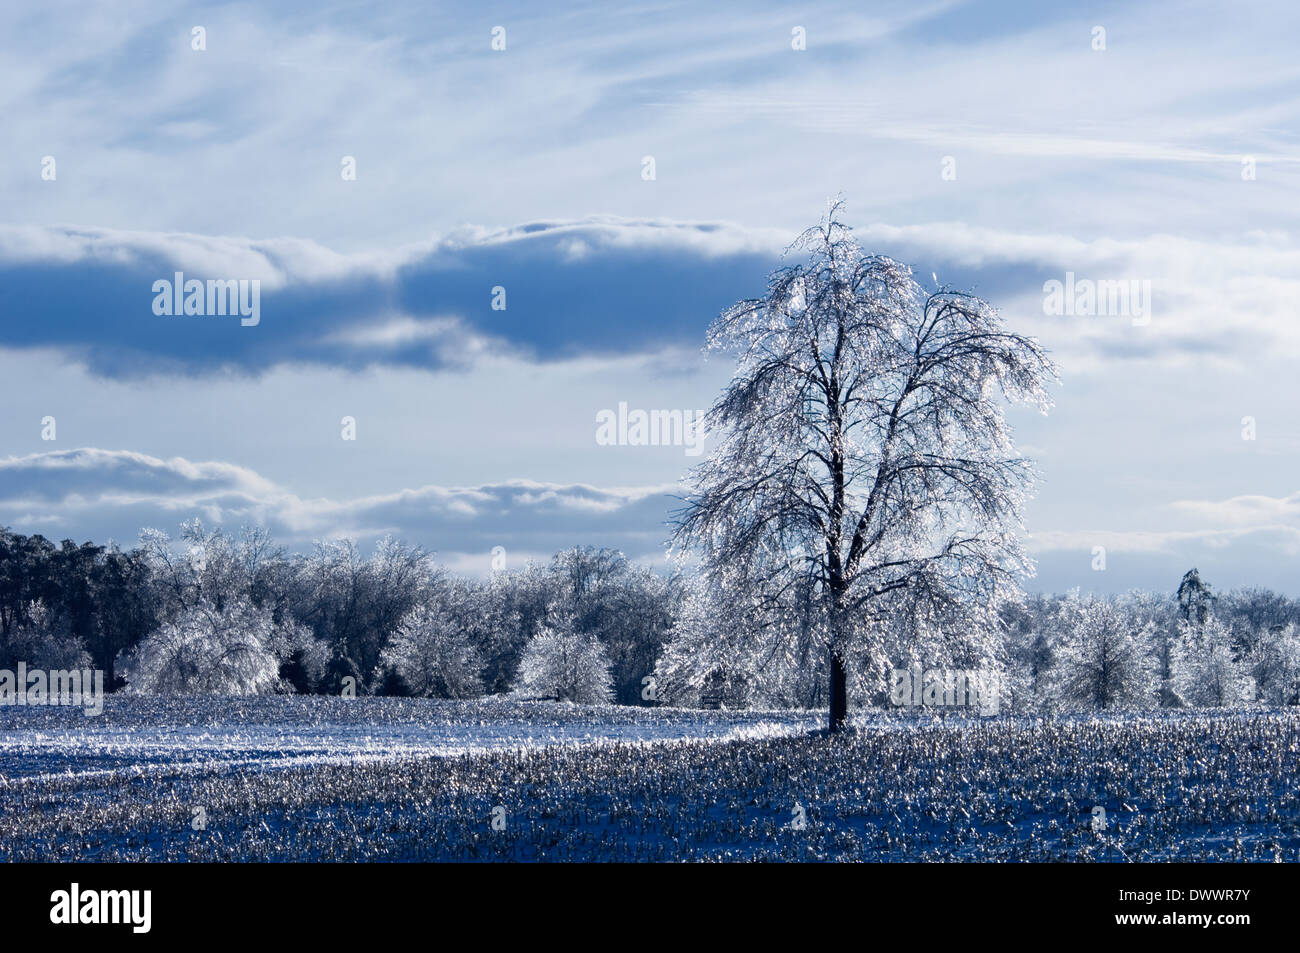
(522, 169)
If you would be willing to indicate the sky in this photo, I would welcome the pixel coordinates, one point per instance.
(462, 250)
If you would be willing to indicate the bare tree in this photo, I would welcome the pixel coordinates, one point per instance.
(863, 447)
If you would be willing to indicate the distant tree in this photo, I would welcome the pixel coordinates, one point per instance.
(1257, 610)
(562, 664)
(628, 608)
(92, 598)
(354, 604)
(26, 576)
(303, 658)
(43, 641)
(124, 607)
(728, 650)
(520, 601)
(863, 430)
(1158, 613)
(205, 651)
(435, 650)
(1283, 685)
(72, 599)
(1105, 659)
(1207, 673)
(712, 652)
(1195, 598)
(1030, 650)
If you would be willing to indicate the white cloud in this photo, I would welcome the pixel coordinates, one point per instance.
(114, 494)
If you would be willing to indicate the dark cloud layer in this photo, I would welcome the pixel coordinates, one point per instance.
(570, 290)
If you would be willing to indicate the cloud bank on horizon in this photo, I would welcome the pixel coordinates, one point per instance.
(501, 270)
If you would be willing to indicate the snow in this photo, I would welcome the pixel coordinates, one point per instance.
(294, 778)
(140, 735)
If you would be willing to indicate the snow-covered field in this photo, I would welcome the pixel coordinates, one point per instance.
(395, 779)
(139, 735)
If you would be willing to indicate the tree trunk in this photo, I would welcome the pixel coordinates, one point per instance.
(839, 675)
(839, 693)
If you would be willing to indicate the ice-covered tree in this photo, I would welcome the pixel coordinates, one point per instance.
(1207, 673)
(207, 564)
(862, 447)
(304, 659)
(724, 653)
(625, 606)
(207, 651)
(1283, 687)
(1270, 658)
(1256, 609)
(1105, 658)
(354, 604)
(1029, 651)
(42, 642)
(435, 650)
(565, 665)
(700, 651)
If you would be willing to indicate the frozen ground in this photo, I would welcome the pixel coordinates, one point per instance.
(139, 735)
(393, 779)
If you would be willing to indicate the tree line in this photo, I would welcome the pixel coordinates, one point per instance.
(218, 613)
(233, 613)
